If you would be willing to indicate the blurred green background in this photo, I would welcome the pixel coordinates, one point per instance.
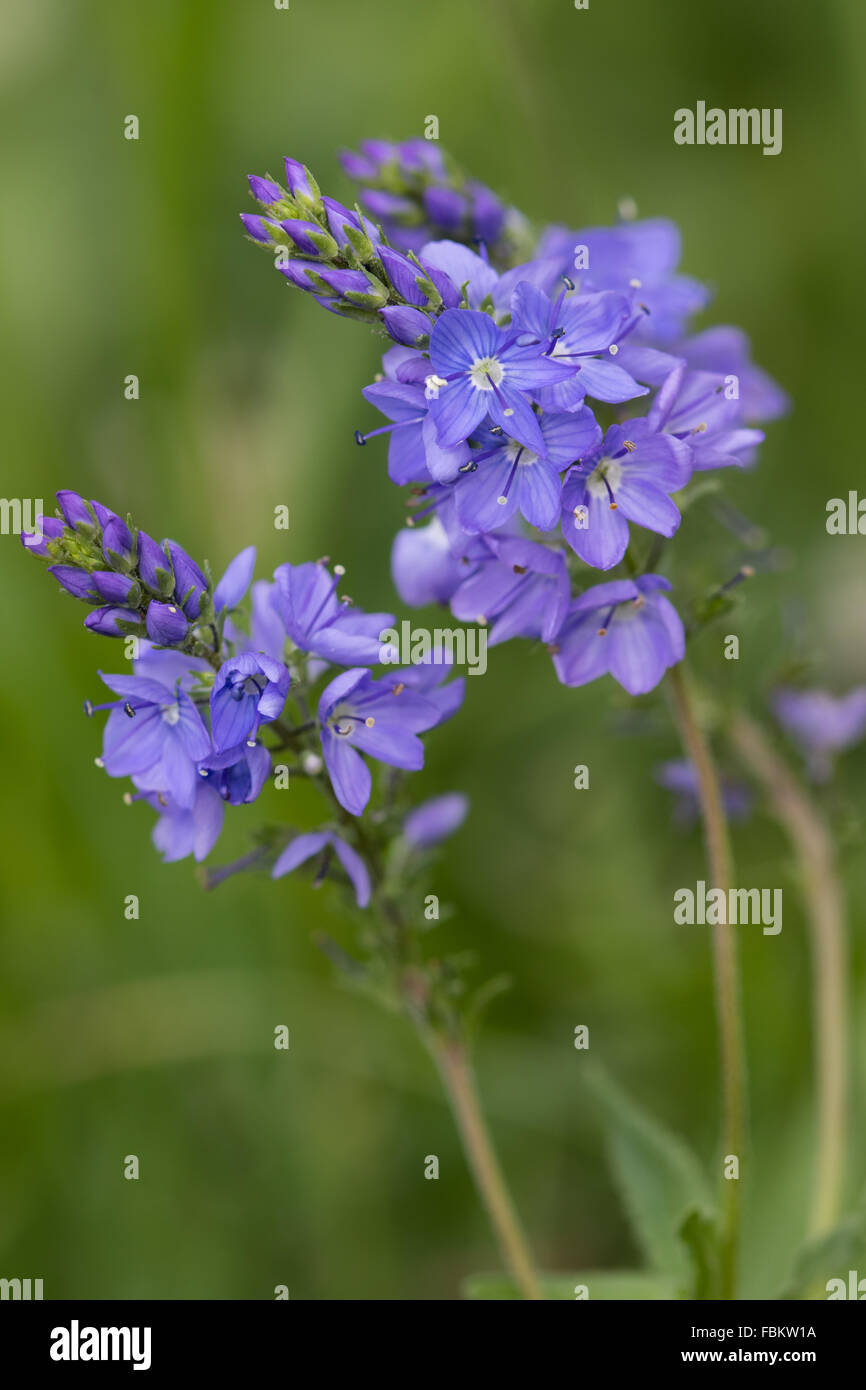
(155, 1037)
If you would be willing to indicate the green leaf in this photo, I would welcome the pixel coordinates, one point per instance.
(828, 1256)
(700, 1235)
(606, 1285)
(659, 1177)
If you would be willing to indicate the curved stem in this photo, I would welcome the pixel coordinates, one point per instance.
(454, 1067)
(826, 914)
(726, 971)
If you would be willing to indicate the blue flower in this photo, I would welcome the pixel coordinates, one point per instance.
(521, 588)
(238, 774)
(823, 724)
(184, 830)
(155, 735)
(575, 330)
(358, 715)
(304, 847)
(248, 691)
(480, 369)
(508, 477)
(166, 624)
(436, 819)
(318, 622)
(628, 477)
(626, 628)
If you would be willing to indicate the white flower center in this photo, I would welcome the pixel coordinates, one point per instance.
(485, 373)
(171, 713)
(606, 474)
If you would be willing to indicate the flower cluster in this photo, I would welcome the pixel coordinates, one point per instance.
(214, 691)
(550, 405)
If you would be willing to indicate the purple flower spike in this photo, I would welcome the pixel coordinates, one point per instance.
(248, 691)
(626, 628)
(358, 715)
(434, 820)
(166, 624)
(304, 847)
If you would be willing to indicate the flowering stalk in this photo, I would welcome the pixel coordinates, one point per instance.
(813, 845)
(215, 696)
(726, 970)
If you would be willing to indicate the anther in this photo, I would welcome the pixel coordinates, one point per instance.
(635, 284)
(399, 688)
(128, 710)
(569, 284)
(359, 438)
(88, 708)
(629, 444)
(369, 721)
(520, 569)
(613, 349)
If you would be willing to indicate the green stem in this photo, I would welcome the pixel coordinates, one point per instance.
(813, 845)
(453, 1065)
(726, 971)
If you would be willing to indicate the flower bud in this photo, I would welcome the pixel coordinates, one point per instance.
(75, 581)
(76, 512)
(189, 582)
(107, 621)
(117, 544)
(116, 588)
(166, 624)
(51, 528)
(265, 191)
(154, 566)
(309, 238)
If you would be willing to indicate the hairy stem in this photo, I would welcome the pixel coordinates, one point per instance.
(813, 845)
(452, 1062)
(726, 971)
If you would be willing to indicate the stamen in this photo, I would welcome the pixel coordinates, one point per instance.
(503, 500)
(386, 429)
(629, 444)
(399, 688)
(613, 349)
(602, 631)
(569, 284)
(369, 721)
(614, 505)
